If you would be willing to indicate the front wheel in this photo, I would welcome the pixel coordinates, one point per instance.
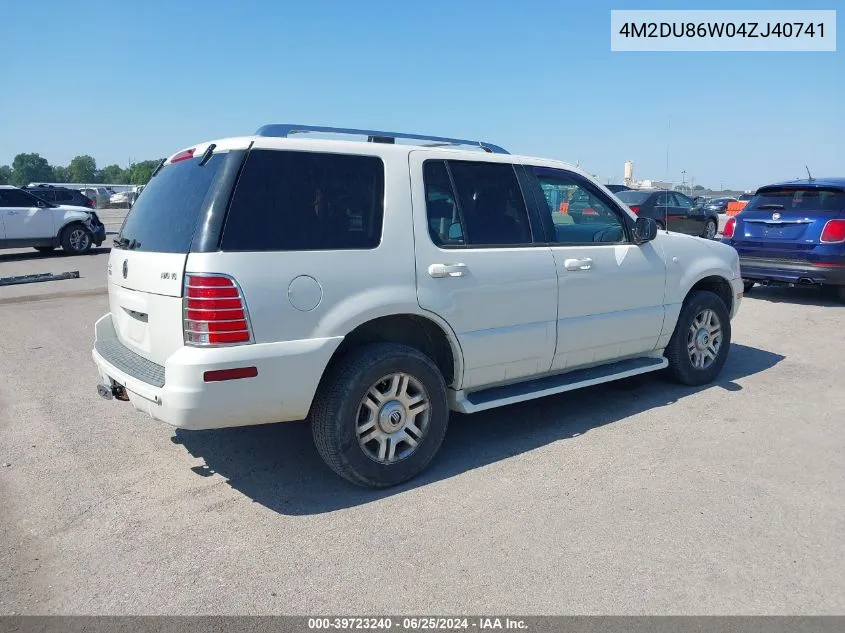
(380, 415)
(76, 239)
(747, 286)
(699, 345)
(710, 229)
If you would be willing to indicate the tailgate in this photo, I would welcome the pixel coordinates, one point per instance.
(145, 301)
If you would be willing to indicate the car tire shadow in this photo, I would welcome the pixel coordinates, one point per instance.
(277, 465)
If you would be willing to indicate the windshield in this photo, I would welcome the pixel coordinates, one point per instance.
(799, 199)
(633, 197)
(163, 220)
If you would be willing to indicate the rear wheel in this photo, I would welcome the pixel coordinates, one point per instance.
(660, 225)
(710, 229)
(699, 345)
(380, 415)
(76, 239)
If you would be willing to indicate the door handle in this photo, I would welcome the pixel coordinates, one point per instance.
(578, 264)
(447, 270)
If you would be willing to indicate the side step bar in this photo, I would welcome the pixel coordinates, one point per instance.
(483, 399)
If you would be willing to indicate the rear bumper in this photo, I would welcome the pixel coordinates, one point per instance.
(792, 272)
(288, 374)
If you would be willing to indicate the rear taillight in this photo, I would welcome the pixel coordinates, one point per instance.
(183, 155)
(90, 203)
(214, 311)
(833, 232)
(635, 209)
(730, 226)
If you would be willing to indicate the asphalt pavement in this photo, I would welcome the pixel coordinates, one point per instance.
(639, 497)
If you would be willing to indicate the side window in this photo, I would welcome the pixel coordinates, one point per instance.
(16, 198)
(681, 201)
(490, 204)
(294, 201)
(662, 200)
(61, 195)
(579, 213)
(444, 221)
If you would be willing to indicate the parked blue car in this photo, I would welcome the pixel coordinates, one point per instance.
(792, 233)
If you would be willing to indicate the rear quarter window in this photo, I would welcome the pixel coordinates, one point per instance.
(295, 201)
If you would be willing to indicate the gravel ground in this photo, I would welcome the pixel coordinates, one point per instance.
(635, 498)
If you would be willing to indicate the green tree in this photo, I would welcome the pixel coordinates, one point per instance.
(114, 175)
(698, 188)
(143, 171)
(82, 169)
(5, 174)
(60, 174)
(27, 168)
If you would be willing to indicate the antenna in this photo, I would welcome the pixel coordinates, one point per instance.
(809, 175)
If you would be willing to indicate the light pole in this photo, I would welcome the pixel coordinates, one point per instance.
(684, 180)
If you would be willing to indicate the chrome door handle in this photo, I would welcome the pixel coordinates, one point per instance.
(578, 264)
(447, 270)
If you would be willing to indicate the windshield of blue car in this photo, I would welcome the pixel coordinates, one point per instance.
(799, 199)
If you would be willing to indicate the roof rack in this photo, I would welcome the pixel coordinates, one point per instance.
(285, 130)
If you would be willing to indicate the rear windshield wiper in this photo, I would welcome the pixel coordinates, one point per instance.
(129, 245)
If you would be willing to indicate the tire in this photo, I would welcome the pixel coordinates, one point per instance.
(339, 415)
(747, 286)
(710, 229)
(678, 353)
(660, 226)
(76, 239)
(840, 293)
(45, 249)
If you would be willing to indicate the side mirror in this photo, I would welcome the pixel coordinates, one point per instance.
(645, 230)
(42, 205)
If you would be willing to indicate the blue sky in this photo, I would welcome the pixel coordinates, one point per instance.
(143, 80)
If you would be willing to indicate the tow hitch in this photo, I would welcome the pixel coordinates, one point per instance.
(118, 392)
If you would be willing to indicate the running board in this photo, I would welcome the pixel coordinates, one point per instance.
(550, 385)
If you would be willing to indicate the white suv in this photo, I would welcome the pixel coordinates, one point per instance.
(373, 287)
(26, 220)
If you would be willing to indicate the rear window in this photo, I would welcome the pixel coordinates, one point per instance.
(295, 201)
(163, 220)
(799, 199)
(633, 197)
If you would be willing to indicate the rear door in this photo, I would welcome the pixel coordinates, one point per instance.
(785, 221)
(480, 269)
(147, 263)
(690, 222)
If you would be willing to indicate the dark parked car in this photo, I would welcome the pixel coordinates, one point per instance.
(672, 210)
(792, 233)
(617, 188)
(60, 195)
(719, 205)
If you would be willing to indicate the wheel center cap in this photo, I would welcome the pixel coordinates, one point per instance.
(702, 339)
(391, 418)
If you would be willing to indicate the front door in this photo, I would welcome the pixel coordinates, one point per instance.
(480, 268)
(24, 219)
(611, 297)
